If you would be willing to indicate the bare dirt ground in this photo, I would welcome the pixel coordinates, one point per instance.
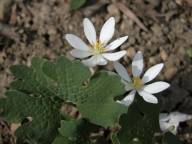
(161, 29)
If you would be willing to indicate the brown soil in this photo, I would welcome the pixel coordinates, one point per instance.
(41, 25)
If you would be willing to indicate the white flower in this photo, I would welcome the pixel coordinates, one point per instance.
(98, 51)
(170, 122)
(138, 84)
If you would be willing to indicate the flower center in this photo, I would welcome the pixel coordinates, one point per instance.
(137, 82)
(98, 47)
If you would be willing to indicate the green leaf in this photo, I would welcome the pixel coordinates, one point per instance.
(39, 90)
(189, 52)
(43, 112)
(140, 123)
(77, 131)
(62, 140)
(33, 95)
(114, 139)
(100, 106)
(21, 71)
(93, 96)
(32, 80)
(75, 4)
(69, 129)
(169, 138)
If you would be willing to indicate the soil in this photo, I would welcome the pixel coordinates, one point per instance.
(31, 28)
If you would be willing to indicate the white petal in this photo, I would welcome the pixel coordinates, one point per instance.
(148, 97)
(76, 42)
(170, 122)
(107, 30)
(167, 124)
(164, 117)
(128, 100)
(80, 54)
(120, 69)
(114, 56)
(128, 87)
(94, 60)
(152, 72)
(115, 44)
(156, 87)
(137, 64)
(101, 60)
(89, 30)
(181, 117)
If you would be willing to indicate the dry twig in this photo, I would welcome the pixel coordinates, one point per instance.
(9, 32)
(90, 10)
(131, 15)
(148, 10)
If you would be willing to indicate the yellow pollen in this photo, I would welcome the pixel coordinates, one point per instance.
(98, 47)
(137, 82)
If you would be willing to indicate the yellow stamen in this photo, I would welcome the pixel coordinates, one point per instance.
(98, 47)
(137, 82)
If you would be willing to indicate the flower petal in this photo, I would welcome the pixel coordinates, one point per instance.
(107, 31)
(181, 117)
(152, 72)
(156, 87)
(170, 122)
(94, 60)
(167, 124)
(89, 30)
(115, 44)
(76, 42)
(114, 56)
(128, 87)
(101, 60)
(164, 117)
(148, 97)
(128, 100)
(120, 69)
(80, 54)
(137, 64)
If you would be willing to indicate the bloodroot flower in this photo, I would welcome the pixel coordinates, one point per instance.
(138, 84)
(170, 122)
(98, 51)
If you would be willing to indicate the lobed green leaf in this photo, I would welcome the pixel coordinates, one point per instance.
(39, 90)
(140, 123)
(42, 113)
(75, 4)
(93, 95)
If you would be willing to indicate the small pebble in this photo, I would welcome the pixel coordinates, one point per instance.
(170, 72)
(163, 55)
(131, 52)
